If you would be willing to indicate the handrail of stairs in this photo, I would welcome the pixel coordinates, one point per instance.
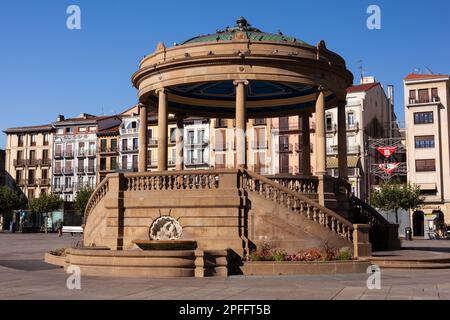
(310, 209)
(368, 213)
(97, 195)
(297, 183)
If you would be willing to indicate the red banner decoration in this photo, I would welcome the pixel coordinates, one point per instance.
(388, 167)
(387, 151)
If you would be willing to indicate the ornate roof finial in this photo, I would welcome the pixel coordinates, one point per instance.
(242, 23)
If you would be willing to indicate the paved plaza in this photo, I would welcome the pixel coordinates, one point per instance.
(24, 275)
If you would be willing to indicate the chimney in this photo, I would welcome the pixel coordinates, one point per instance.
(60, 117)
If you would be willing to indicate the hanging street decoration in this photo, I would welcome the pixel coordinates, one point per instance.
(388, 168)
(387, 151)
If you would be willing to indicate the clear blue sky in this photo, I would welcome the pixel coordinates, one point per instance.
(46, 69)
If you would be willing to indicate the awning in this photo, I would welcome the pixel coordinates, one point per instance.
(352, 162)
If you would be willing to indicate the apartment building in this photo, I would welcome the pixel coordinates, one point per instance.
(28, 159)
(108, 136)
(427, 120)
(75, 155)
(259, 149)
(288, 139)
(152, 136)
(196, 145)
(368, 115)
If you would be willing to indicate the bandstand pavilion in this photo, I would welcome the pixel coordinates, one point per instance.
(242, 73)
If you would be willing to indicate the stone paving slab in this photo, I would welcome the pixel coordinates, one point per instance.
(24, 275)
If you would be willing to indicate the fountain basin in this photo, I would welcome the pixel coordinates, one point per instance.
(166, 244)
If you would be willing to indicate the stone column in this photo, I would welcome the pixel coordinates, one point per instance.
(179, 142)
(143, 140)
(162, 129)
(241, 124)
(342, 141)
(306, 146)
(321, 145)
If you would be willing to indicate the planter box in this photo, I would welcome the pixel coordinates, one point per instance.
(272, 268)
(55, 260)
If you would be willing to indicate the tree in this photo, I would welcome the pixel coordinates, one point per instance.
(394, 196)
(47, 202)
(82, 198)
(9, 200)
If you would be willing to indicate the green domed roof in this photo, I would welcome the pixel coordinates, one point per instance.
(242, 25)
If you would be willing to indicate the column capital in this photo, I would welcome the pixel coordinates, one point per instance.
(161, 90)
(321, 88)
(245, 82)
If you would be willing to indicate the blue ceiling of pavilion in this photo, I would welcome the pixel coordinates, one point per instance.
(256, 90)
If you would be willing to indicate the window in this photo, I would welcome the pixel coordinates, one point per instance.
(32, 154)
(81, 166)
(221, 140)
(426, 165)
(221, 123)
(412, 94)
(190, 136)
(124, 144)
(190, 156)
(113, 164)
(20, 140)
(135, 143)
(30, 194)
(44, 174)
(329, 122)
(60, 131)
(423, 117)
(57, 183)
(201, 136)
(350, 119)
(31, 176)
(19, 155)
(260, 141)
(423, 142)
(220, 160)
(124, 162)
(102, 164)
(133, 125)
(92, 129)
(424, 96)
(33, 139)
(58, 150)
(18, 177)
(201, 156)
(135, 162)
(113, 145)
(103, 145)
(82, 129)
(69, 130)
(91, 165)
(173, 135)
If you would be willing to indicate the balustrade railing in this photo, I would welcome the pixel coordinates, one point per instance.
(302, 184)
(181, 180)
(101, 190)
(296, 202)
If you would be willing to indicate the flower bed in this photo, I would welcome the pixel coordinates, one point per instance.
(326, 253)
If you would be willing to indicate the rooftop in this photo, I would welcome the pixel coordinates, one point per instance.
(40, 128)
(242, 25)
(415, 76)
(362, 87)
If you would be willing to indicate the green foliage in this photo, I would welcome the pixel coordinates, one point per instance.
(345, 253)
(82, 198)
(393, 196)
(47, 202)
(9, 200)
(279, 255)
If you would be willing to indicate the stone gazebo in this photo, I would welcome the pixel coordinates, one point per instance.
(243, 73)
(237, 73)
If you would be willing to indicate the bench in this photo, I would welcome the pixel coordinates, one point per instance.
(72, 229)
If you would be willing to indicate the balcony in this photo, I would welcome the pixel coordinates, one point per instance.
(285, 148)
(129, 131)
(68, 188)
(58, 154)
(68, 154)
(434, 99)
(130, 149)
(196, 143)
(81, 170)
(20, 162)
(350, 150)
(44, 182)
(68, 171)
(332, 128)
(31, 182)
(108, 150)
(153, 142)
(259, 122)
(196, 163)
(33, 162)
(58, 171)
(90, 169)
(46, 162)
(353, 126)
(299, 147)
(83, 153)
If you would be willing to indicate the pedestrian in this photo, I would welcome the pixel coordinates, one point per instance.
(59, 227)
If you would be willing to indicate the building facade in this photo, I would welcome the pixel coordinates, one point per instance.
(427, 120)
(29, 151)
(108, 135)
(75, 155)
